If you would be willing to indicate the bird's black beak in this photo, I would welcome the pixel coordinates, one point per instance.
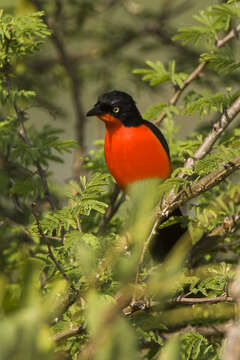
(95, 111)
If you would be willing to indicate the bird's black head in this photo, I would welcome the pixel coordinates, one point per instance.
(117, 104)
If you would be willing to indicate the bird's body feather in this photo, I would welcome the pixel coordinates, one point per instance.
(135, 153)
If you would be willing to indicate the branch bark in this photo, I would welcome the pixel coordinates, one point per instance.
(206, 300)
(218, 127)
(72, 331)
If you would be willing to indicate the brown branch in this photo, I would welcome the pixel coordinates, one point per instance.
(198, 187)
(192, 190)
(206, 300)
(218, 127)
(69, 298)
(197, 71)
(72, 331)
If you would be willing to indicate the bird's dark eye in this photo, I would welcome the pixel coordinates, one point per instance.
(116, 109)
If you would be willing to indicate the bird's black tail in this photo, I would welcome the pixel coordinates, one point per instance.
(166, 238)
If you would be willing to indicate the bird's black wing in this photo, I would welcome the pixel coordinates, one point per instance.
(158, 134)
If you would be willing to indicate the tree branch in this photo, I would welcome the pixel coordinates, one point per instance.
(218, 127)
(173, 200)
(194, 189)
(206, 300)
(72, 331)
(197, 71)
(198, 187)
(178, 317)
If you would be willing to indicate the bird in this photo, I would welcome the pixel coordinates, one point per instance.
(135, 149)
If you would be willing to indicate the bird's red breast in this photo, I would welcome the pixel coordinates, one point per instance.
(133, 153)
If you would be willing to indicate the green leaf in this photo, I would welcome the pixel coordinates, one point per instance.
(195, 347)
(208, 102)
(158, 74)
(221, 61)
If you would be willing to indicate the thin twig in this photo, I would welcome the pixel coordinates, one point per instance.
(79, 223)
(197, 71)
(206, 300)
(50, 252)
(144, 305)
(218, 127)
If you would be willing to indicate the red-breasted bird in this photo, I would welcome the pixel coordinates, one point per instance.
(135, 149)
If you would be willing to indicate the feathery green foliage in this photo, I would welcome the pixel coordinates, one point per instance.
(67, 273)
(158, 74)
